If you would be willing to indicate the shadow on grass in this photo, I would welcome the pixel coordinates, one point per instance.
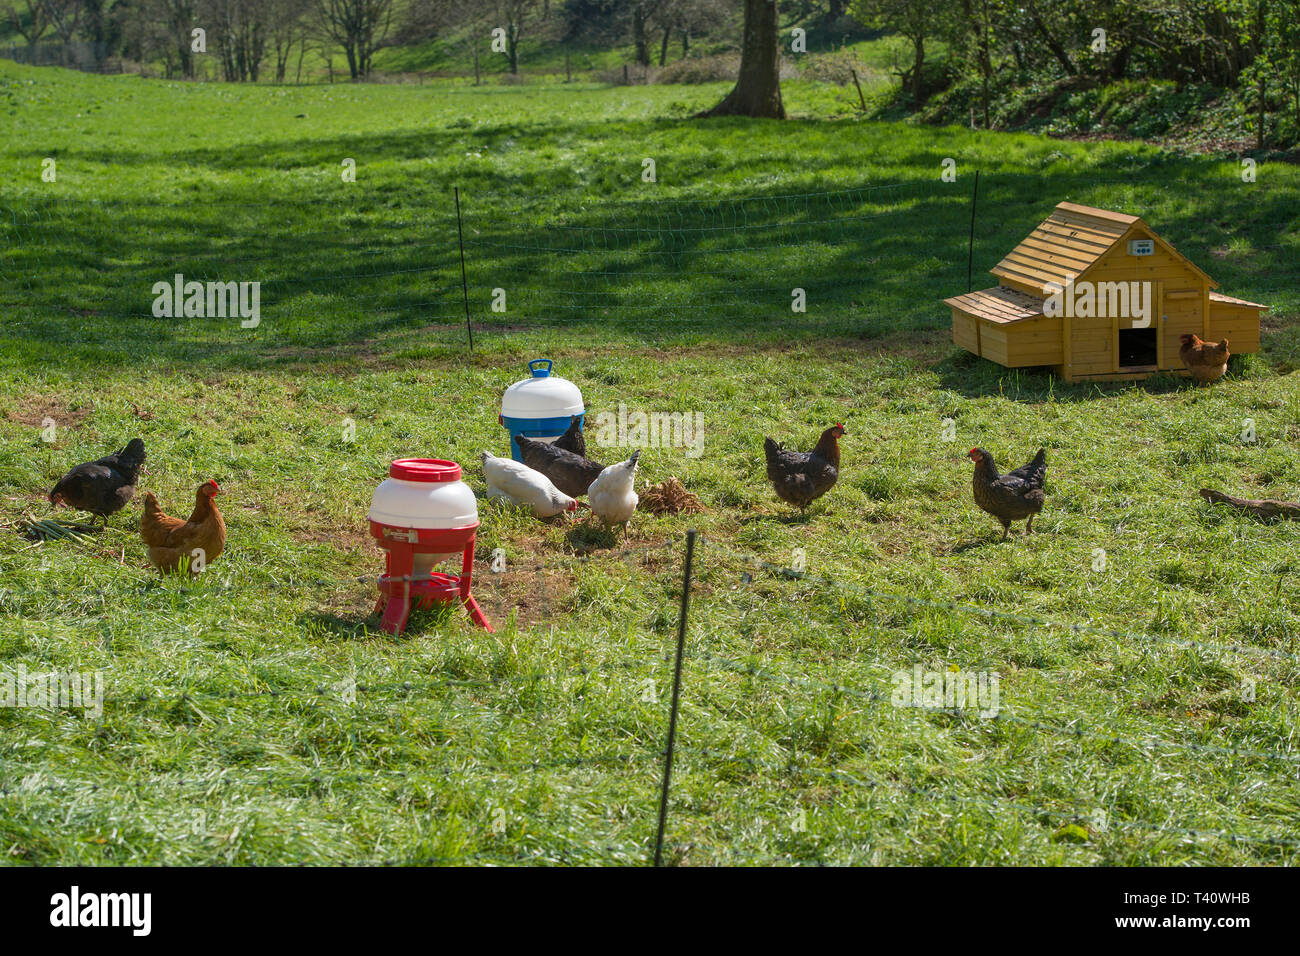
(974, 377)
(341, 276)
(365, 625)
(591, 537)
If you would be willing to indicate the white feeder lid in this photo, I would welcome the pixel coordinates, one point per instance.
(542, 396)
(433, 497)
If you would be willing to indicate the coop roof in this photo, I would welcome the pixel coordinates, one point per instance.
(1001, 305)
(1069, 242)
(1233, 300)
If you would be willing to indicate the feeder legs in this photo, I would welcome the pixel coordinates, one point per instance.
(466, 571)
(401, 567)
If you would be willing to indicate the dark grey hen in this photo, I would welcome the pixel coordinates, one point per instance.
(104, 486)
(572, 474)
(572, 439)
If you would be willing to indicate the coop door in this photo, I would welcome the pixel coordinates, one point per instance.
(1138, 343)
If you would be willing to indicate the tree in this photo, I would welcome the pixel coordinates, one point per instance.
(286, 28)
(758, 88)
(916, 21)
(175, 20)
(684, 17)
(237, 31)
(359, 26)
(65, 17)
(33, 25)
(513, 16)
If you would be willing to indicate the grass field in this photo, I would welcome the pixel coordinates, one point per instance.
(230, 731)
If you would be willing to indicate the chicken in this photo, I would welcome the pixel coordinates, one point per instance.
(572, 474)
(572, 439)
(196, 542)
(1205, 361)
(799, 477)
(104, 486)
(612, 496)
(1013, 496)
(521, 485)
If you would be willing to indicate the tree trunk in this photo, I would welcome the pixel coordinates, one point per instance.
(663, 47)
(1263, 106)
(1052, 43)
(758, 90)
(639, 39)
(918, 75)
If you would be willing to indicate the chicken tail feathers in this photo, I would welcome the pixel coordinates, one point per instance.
(1036, 470)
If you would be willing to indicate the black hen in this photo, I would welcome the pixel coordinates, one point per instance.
(102, 487)
(801, 477)
(1011, 497)
(572, 439)
(572, 474)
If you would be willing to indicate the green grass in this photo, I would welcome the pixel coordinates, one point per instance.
(228, 732)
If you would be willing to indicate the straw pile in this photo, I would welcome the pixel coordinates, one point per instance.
(669, 497)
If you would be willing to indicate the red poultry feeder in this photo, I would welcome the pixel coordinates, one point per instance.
(421, 515)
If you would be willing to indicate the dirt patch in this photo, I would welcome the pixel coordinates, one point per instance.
(35, 410)
(534, 596)
(344, 539)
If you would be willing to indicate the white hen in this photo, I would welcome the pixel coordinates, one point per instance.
(611, 495)
(521, 485)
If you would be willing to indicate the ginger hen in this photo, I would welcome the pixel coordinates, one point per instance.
(801, 477)
(1011, 497)
(171, 540)
(1205, 361)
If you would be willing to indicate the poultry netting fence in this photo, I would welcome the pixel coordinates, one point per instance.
(861, 262)
(718, 683)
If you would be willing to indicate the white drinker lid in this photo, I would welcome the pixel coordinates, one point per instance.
(541, 396)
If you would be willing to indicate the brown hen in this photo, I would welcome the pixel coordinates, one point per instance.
(196, 542)
(1205, 361)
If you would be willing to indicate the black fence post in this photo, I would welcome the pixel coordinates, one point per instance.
(677, 693)
(970, 256)
(464, 281)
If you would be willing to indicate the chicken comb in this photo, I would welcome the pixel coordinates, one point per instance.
(213, 483)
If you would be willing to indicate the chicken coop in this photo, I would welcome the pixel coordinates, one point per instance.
(1098, 296)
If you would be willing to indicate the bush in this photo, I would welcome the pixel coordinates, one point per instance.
(836, 67)
(701, 69)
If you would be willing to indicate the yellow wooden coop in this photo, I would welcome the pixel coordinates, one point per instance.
(1101, 297)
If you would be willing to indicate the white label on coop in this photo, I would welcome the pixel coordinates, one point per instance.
(1141, 247)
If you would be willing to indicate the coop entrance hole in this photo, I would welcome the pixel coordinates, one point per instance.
(1137, 348)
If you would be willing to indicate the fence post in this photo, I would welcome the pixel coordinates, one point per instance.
(677, 693)
(861, 99)
(970, 256)
(464, 281)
